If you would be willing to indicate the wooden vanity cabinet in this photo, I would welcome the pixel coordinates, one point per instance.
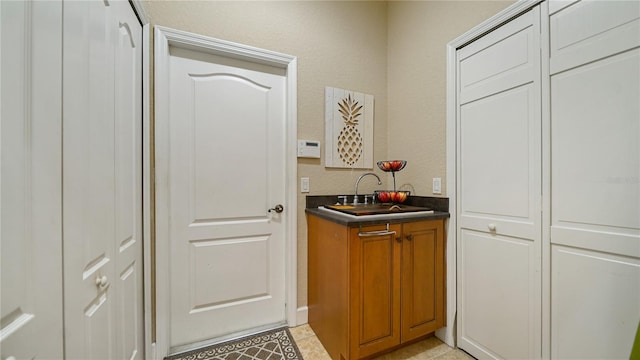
(370, 292)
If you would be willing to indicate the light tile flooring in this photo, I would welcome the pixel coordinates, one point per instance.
(430, 348)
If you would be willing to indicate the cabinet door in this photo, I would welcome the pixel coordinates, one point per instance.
(375, 289)
(423, 298)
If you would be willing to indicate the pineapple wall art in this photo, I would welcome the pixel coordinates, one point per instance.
(349, 129)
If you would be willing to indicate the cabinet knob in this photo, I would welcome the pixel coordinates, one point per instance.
(409, 237)
(492, 227)
(399, 239)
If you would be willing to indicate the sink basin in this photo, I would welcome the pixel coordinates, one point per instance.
(375, 210)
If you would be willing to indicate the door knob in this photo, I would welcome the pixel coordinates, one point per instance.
(278, 208)
(101, 281)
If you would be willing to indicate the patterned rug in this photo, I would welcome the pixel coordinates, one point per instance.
(269, 345)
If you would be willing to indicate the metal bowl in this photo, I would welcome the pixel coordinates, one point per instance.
(392, 165)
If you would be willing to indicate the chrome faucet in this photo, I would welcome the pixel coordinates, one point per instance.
(355, 197)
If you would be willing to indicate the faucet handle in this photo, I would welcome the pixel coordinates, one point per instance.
(344, 199)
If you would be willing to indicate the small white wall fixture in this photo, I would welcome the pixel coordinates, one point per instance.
(164, 39)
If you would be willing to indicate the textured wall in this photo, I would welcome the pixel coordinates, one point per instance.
(392, 50)
(417, 36)
(339, 44)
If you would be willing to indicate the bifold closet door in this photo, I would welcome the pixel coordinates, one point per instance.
(499, 192)
(31, 264)
(595, 178)
(102, 181)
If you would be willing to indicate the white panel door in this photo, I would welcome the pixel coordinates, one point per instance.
(226, 168)
(595, 307)
(499, 192)
(31, 221)
(102, 180)
(595, 179)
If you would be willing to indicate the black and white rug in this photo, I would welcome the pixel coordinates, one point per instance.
(269, 345)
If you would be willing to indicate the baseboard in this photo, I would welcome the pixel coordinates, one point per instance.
(302, 315)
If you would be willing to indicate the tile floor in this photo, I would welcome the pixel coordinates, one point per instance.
(430, 348)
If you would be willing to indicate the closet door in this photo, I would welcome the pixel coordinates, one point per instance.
(595, 178)
(499, 192)
(31, 244)
(102, 181)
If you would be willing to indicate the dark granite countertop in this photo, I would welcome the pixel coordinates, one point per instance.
(440, 207)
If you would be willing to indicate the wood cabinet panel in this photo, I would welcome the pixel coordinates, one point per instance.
(328, 293)
(371, 292)
(374, 290)
(423, 301)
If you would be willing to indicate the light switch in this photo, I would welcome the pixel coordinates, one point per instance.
(437, 185)
(304, 184)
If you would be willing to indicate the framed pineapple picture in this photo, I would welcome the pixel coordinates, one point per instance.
(348, 129)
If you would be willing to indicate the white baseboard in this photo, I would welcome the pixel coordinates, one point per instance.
(302, 315)
(446, 335)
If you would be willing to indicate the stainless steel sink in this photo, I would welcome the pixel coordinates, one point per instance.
(376, 210)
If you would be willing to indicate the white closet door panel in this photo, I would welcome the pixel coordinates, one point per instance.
(102, 180)
(595, 306)
(589, 237)
(499, 192)
(499, 283)
(503, 59)
(499, 163)
(30, 223)
(557, 5)
(590, 30)
(127, 40)
(89, 183)
(595, 155)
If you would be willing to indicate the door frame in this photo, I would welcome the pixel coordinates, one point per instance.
(165, 38)
(449, 333)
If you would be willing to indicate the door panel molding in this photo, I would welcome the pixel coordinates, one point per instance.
(102, 187)
(166, 38)
(31, 180)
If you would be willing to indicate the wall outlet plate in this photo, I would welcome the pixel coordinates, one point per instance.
(437, 185)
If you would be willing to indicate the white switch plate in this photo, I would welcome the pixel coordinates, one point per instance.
(437, 185)
(304, 184)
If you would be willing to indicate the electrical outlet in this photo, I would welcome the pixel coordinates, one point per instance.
(304, 185)
(437, 185)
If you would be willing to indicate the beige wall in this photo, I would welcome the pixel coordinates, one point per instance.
(392, 50)
(417, 37)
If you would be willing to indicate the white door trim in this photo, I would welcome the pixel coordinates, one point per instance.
(147, 191)
(448, 334)
(164, 38)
